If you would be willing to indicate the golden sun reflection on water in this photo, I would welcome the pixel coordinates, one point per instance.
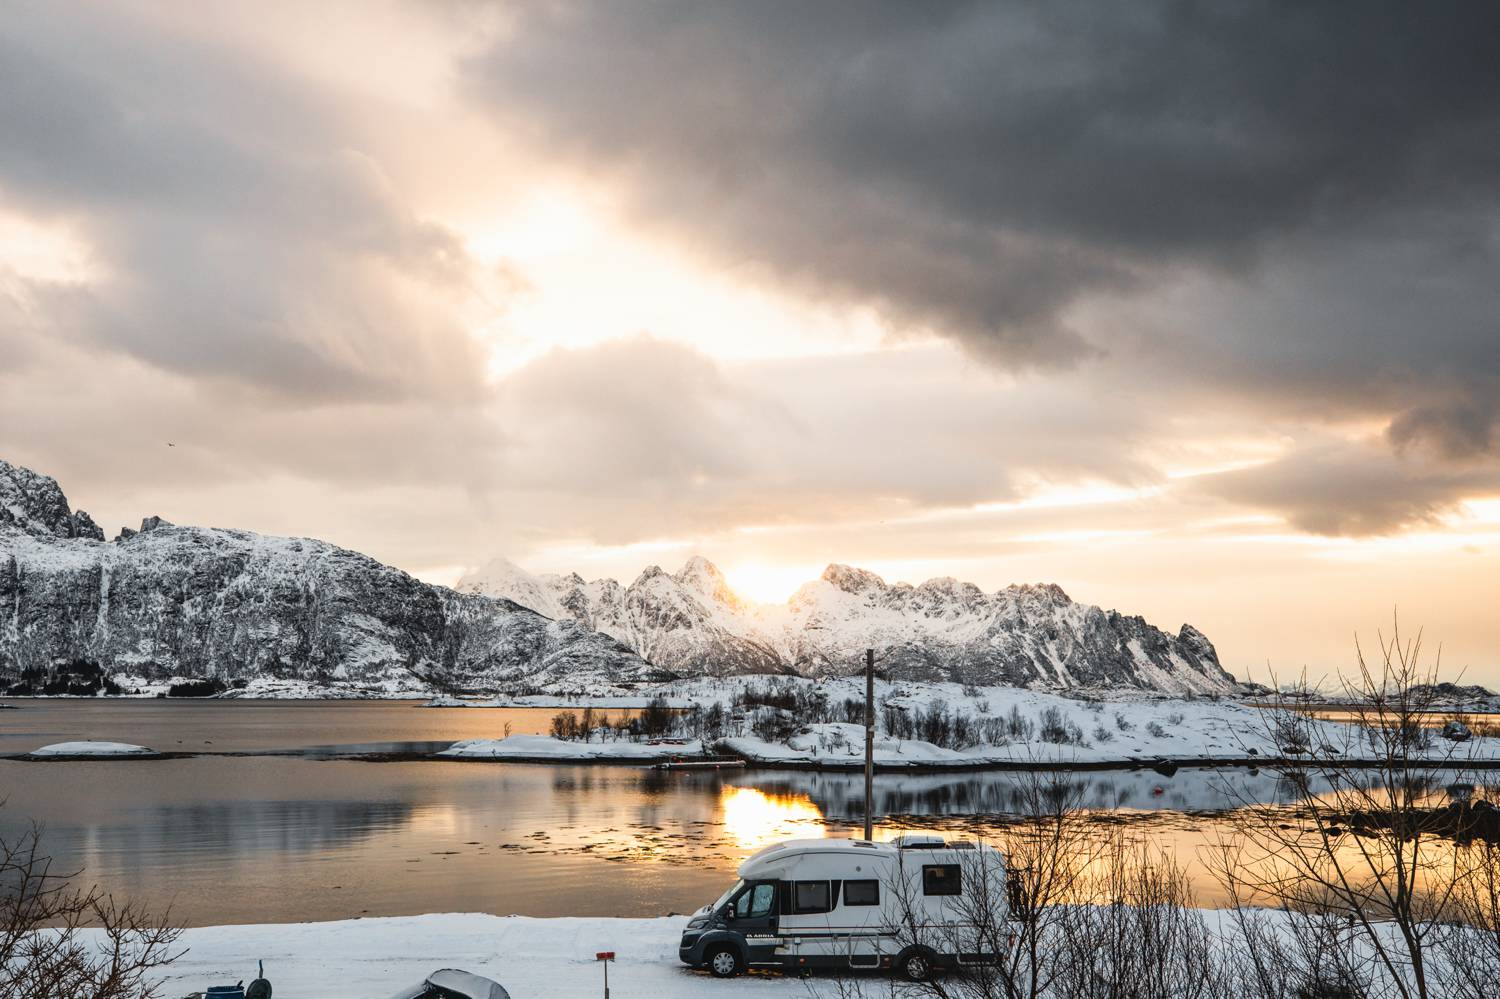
(755, 819)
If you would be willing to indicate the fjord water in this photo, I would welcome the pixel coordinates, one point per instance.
(307, 834)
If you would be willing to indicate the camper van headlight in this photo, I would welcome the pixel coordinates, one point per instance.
(698, 922)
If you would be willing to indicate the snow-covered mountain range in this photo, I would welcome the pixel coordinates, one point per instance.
(234, 605)
(691, 622)
(169, 601)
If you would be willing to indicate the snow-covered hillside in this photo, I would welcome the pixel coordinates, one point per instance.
(237, 606)
(1007, 727)
(1034, 636)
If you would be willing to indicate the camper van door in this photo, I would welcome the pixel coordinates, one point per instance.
(753, 914)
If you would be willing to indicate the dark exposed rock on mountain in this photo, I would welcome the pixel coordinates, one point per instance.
(232, 605)
(943, 629)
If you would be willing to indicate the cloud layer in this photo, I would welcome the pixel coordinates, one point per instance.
(1150, 284)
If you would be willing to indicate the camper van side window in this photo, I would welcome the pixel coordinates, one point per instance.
(861, 892)
(941, 879)
(812, 896)
(755, 902)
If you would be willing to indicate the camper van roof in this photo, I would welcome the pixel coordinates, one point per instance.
(775, 855)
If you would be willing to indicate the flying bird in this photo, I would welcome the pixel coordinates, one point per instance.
(170, 444)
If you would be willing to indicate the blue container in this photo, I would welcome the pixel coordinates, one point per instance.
(225, 992)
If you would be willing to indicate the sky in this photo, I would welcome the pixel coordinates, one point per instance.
(1191, 309)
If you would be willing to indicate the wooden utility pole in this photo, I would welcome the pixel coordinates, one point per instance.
(869, 742)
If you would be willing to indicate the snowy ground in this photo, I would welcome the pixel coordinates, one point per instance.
(532, 958)
(543, 747)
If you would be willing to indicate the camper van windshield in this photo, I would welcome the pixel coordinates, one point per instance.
(725, 897)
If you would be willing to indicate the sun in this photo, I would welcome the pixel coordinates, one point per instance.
(767, 584)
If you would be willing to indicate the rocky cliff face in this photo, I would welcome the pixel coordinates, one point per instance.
(206, 602)
(943, 629)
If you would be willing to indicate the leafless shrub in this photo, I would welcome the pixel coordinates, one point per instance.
(1017, 726)
(45, 950)
(565, 726)
(1057, 729)
(1471, 965)
(1141, 937)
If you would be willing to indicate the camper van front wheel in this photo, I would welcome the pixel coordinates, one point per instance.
(724, 963)
(914, 967)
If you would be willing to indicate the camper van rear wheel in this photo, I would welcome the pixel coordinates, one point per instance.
(915, 967)
(724, 963)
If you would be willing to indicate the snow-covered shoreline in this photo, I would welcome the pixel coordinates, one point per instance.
(544, 748)
(1004, 728)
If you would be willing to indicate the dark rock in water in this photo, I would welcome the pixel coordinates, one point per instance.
(227, 605)
(1463, 821)
(1165, 767)
(1456, 731)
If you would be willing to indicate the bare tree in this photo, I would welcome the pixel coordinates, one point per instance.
(60, 942)
(1471, 965)
(1370, 849)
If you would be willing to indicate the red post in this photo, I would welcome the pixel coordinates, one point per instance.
(605, 956)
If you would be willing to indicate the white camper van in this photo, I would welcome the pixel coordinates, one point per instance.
(848, 904)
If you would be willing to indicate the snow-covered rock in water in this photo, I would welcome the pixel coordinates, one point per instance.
(234, 605)
(92, 749)
(944, 629)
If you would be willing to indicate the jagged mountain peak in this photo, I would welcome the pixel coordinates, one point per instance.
(1045, 592)
(944, 628)
(699, 568)
(35, 504)
(851, 580)
(703, 577)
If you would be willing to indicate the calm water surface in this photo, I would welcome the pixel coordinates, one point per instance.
(305, 835)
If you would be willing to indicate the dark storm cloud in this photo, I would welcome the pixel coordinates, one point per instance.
(241, 233)
(1341, 489)
(1040, 182)
(975, 168)
(1459, 430)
